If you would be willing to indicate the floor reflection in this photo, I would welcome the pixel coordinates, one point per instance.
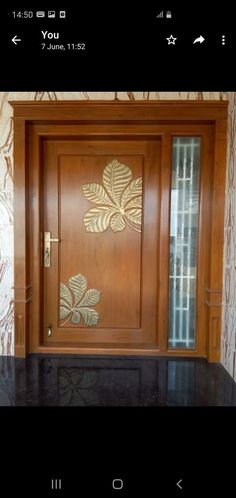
(113, 381)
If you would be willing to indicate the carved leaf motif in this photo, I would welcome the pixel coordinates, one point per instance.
(133, 190)
(97, 219)
(78, 285)
(134, 215)
(118, 223)
(136, 202)
(64, 312)
(65, 294)
(76, 304)
(90, 316)
(123, 203)
(95, 192)
(116, 177)
(75, 317)
(91, 298)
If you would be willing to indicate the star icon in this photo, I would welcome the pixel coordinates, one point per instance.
(171, 40)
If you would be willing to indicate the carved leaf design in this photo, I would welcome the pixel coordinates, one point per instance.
(75, 317)
(134, 215)
(133, 190)
(136, 202)
(118, 223)
(97, 219)
(78, 285)
(65, 294)
(116, 177)
(120, 202)
(76, 304)
(91, 298)
(95, 192)
(64, 312)
(90, 316)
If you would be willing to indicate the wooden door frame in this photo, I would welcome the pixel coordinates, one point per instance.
(84, 115)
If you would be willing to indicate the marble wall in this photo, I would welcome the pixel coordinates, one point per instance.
(6, 208)
(228, 347)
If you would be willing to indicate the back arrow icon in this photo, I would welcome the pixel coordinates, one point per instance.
(179, 484)
(15, 39)
(200, 39)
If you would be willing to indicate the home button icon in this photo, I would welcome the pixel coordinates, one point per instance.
(117, 484)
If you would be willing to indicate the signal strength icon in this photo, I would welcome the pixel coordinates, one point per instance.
(161, 14)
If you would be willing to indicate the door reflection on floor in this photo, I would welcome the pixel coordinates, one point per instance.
(113, 381)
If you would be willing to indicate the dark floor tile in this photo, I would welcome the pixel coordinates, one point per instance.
(113, 381)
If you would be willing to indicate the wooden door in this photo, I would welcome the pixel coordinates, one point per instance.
(101, 200)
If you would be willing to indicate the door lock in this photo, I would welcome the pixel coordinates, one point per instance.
(49, 330)
(47, 248)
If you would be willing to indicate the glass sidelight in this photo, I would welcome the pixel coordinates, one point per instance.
(184, 241)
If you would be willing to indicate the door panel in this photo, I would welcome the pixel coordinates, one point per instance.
(101, 200)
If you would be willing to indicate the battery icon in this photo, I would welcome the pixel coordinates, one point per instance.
(62, 14)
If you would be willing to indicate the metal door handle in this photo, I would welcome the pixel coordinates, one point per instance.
(47, 248)
(53, 240)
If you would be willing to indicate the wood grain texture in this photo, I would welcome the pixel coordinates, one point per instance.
(141, 111)
(217, 234)
(121, 265)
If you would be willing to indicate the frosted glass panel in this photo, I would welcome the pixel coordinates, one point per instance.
(183, 242)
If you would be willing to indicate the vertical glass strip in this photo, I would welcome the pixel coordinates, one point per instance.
(183, 242)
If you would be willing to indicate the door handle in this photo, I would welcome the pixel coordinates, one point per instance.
(47, 248)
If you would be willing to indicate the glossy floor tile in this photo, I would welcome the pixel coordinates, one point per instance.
(113, 381)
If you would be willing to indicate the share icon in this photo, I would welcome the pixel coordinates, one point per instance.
(200, 39)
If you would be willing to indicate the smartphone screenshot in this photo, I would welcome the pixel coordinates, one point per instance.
(117, 250)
